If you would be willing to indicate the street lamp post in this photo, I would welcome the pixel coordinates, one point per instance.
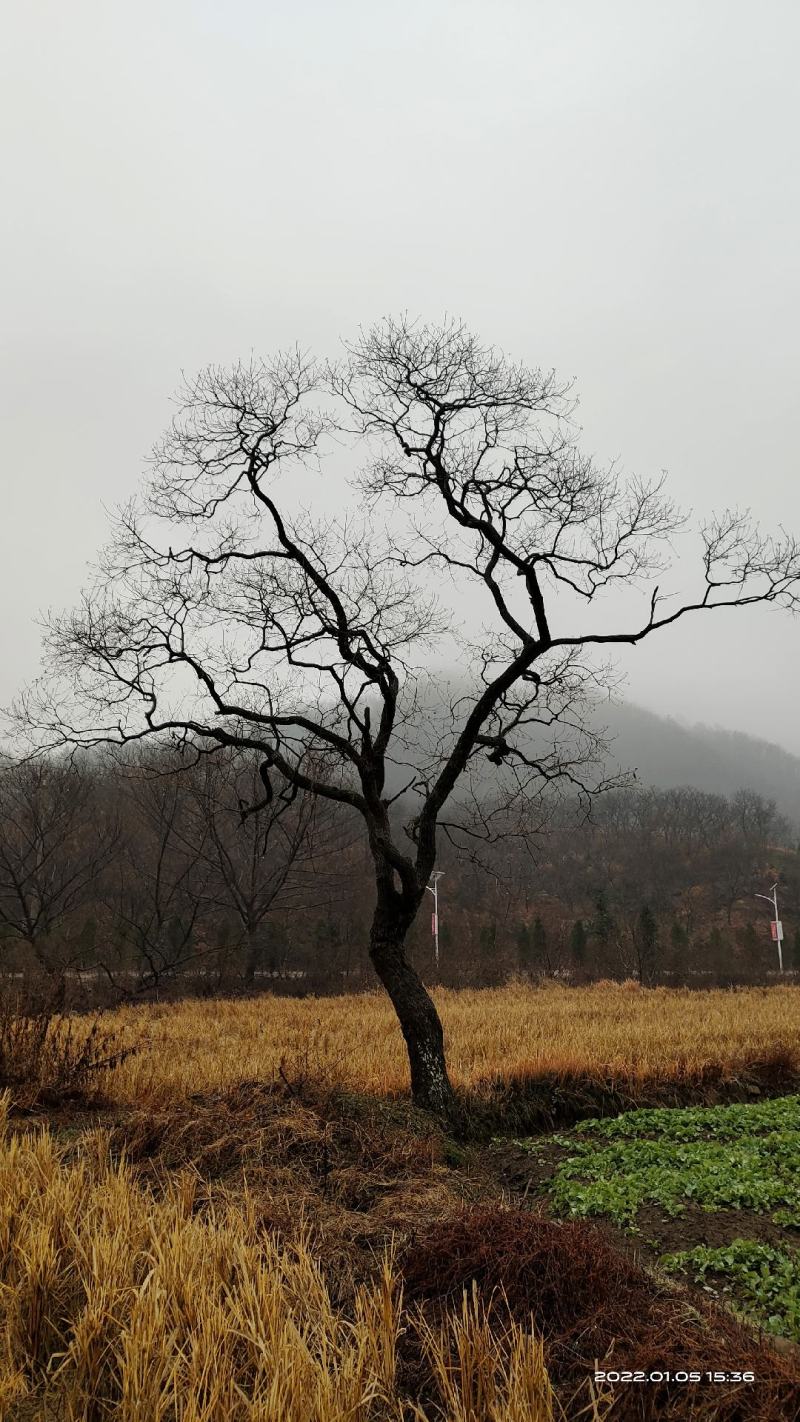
(434, 889)
(772, 899)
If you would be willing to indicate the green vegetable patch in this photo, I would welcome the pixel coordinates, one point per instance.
(758, 1280)
(713, 1193)
(700, 1122)
(720, 1157)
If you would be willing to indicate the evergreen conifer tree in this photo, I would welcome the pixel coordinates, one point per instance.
(647, 943)
(524, 951)
(577, 942)
(539, 942)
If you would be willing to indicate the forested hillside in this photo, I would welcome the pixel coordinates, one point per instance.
(158, 874)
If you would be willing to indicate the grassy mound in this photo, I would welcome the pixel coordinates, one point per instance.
(589, 1302)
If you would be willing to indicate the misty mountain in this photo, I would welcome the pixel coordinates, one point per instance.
(665, 753)
(660, 750)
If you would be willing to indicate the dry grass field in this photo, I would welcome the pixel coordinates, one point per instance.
(244, 1220)
(616, 1033)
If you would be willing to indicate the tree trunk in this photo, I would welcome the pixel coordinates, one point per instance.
(419, 1020)
(252, 955)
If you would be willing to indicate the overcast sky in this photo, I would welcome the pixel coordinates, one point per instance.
(607, 186)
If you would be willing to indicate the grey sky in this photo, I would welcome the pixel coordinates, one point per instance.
(611, 188)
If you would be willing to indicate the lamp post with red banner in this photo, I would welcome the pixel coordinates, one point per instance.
(434, 889)
(776, 926)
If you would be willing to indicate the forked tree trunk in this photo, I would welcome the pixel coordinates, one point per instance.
(419, 1020)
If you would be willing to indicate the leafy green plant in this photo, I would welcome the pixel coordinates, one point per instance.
(761, 1281)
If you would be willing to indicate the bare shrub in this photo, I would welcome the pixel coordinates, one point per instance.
(47, 1057)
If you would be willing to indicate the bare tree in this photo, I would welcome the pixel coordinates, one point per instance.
(220, 617)
(738, 852)
(156, 893)
(266, 845)
(56, 839)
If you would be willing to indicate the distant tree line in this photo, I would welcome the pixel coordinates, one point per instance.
(142, 873)
(658, 885)
(158, 873)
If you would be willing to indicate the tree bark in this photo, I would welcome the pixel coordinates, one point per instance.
(419, 1021)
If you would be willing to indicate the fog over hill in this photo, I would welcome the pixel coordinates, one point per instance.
(661, 751)
(665, 753)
